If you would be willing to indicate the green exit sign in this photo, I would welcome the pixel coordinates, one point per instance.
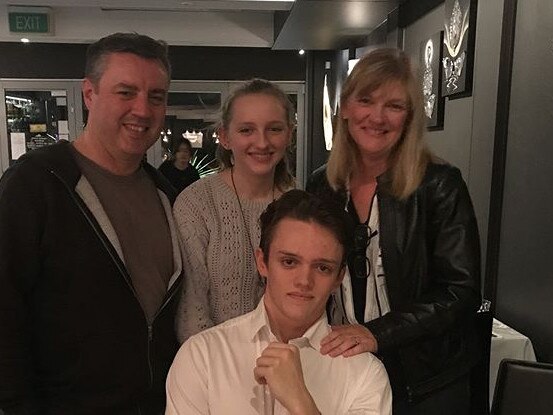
(30, 20)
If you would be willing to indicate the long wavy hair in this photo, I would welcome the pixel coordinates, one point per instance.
(283, 179)
(410, 156)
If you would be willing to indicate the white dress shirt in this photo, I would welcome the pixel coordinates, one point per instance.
(213, 373)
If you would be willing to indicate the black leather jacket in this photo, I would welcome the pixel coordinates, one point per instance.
(431, 258)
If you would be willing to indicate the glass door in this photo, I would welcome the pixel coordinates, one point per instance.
(192, 111)
(35, 114)
(296, 150)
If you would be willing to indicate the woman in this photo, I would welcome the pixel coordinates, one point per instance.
(179, 171)
(413, 281)
(218, 216)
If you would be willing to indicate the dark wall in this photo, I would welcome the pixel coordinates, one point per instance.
(523, 269)
(41, 60)
(467, 138)
(525, 272)
(218, 63)
(66, 61)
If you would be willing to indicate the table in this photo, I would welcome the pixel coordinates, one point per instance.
(507, 343)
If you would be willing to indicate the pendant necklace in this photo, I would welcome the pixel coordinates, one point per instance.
(246, 227)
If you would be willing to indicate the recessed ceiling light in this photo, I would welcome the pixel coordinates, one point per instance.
(301, 51)
(25, 40)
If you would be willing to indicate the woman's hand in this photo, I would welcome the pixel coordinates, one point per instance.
(348, 340)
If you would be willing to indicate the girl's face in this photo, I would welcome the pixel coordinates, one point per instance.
(376, 120)
(257, 134)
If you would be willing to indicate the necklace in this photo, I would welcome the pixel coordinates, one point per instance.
(246, 227)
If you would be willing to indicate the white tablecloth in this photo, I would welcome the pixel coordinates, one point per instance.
(507, 343)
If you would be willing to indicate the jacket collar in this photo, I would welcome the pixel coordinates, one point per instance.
(58, 159)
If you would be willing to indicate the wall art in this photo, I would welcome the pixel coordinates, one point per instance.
(458, 47)
(430, 57)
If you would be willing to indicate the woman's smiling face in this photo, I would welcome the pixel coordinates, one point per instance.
(376, 120)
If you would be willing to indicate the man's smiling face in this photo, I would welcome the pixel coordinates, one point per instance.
(127, 106)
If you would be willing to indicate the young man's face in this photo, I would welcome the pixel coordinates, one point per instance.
(303, 267)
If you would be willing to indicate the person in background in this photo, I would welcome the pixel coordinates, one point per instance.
(268, 360)
(90, 264)
(412, 286)
(178, 170)
(218, 215)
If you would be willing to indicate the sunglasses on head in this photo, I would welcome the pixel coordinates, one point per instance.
(362, 235)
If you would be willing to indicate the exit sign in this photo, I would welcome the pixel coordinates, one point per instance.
(30, 20)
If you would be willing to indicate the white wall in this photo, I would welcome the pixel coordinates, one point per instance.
(188, 28)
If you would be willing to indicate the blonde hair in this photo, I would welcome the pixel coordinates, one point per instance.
(410, 156)
(283, 179)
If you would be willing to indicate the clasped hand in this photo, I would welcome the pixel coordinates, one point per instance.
(279, 367)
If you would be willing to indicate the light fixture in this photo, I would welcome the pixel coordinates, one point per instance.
(327, 117)
(351, 64)
(25, 40)
(301, 52)
(18, 99)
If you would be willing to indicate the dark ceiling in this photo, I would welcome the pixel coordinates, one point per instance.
(329, 24)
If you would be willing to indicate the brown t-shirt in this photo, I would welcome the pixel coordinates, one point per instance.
(134, 208)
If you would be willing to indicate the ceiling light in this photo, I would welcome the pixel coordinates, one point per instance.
(25, 40)
(351, 64)
(301, 52)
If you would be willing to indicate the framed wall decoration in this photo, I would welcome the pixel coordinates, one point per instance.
(458, 48)
(430, 57)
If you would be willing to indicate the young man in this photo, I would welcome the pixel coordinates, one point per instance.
(268, 361)
(90, 261)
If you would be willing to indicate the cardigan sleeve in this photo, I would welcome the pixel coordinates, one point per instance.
(453, 266)
(193, 313)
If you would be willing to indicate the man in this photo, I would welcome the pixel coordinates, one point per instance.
(268, 361)
(90, 263)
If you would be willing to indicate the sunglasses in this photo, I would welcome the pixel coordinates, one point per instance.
(362, 235)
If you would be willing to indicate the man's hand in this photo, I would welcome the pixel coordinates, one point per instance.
(279, 367)
(349, 340)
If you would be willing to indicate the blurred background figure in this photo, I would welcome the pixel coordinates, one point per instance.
(218, 216)
(412, 286)
(177, 169)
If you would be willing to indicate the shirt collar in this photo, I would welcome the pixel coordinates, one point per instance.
(312, 337)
